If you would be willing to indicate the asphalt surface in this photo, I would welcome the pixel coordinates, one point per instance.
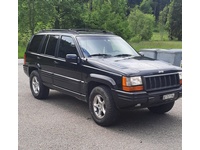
(64, 123)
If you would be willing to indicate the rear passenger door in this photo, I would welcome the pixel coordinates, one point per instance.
(67, 75)
(46, 59)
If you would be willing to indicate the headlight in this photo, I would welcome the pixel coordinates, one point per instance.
(132, 84)
(131, 81)
(180, 77)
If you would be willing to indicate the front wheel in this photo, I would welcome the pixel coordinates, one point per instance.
(102, 106)
(161, 109)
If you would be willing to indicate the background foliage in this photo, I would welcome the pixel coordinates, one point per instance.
(134, 20)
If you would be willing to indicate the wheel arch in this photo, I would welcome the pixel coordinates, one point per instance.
(31, 69)
(99, 80)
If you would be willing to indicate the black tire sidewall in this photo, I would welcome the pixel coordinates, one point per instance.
(111, 114)
(44, 91)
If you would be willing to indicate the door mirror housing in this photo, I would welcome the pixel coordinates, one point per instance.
(72, 58)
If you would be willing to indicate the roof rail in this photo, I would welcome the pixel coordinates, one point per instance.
(85, 30)
(47, 30)
(91, 30)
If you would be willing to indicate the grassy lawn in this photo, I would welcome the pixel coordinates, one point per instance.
(157, 44)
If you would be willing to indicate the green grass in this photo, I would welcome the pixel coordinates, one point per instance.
(21, 50)
(157, 37)
(157, 44)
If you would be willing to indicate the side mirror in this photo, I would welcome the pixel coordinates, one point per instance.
(72, 58)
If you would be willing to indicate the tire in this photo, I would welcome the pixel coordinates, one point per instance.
(161, 109)
(102, 106)
(38, 90)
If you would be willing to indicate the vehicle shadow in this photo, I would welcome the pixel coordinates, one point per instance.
(130, 122)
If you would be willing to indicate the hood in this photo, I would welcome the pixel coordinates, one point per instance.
(132, 65)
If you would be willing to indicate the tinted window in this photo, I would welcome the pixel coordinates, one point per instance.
(44, 45)
(51, 46)
(66, 47)
(35, 43)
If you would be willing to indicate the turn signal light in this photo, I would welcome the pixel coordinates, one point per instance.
(132, 88)
(24, 59)
(180, 81)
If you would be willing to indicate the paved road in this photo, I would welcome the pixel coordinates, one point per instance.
(62, 123)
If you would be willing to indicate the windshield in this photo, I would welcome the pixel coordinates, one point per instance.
(105, 46)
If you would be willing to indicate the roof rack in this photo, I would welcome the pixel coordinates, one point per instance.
(47, 30)
(91, 30)
(78, 30)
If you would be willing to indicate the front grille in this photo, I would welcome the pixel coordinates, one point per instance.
(158, 82)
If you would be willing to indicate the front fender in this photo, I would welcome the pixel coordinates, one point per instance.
(103, 79)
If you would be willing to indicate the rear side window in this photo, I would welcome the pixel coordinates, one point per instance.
(51, 46)
(35, 43)
(44, 45)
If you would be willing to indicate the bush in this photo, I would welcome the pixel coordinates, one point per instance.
(107, 15)
(140, 24)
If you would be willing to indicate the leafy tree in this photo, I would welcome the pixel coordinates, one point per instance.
(145, 6)
(140, 25)
(158, 6)
(35, 15)
(163, 20)
(174, 20)
(107, 15)
(114, 15)
(133, 3)
(66, 16)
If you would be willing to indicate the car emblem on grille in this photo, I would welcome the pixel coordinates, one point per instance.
(160, 71)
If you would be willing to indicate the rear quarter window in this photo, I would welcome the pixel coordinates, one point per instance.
(35, 43)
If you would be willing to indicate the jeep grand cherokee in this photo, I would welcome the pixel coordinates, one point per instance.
(101, 69)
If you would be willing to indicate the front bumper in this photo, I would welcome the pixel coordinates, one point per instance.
(143, 99)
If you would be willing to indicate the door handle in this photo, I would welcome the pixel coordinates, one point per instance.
(56, 62)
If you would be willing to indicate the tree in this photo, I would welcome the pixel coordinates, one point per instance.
(158, 6)
(163, 20)
(140, 25)
(174, 22)
(145, 6)
(106, 15)
(35, 15)
(133, 3)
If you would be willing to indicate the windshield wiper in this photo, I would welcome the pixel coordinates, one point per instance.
(99, 55)
(123, 55)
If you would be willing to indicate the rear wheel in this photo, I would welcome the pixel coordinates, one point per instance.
(102, 106)
(161, 109)
(38, 90)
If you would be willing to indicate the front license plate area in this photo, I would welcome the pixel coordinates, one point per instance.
(168, 96)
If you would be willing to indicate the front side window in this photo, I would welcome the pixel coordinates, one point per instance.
(51, 46)
(35, 43)
(66, 47)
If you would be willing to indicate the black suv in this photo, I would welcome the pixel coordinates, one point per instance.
(101, 69)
